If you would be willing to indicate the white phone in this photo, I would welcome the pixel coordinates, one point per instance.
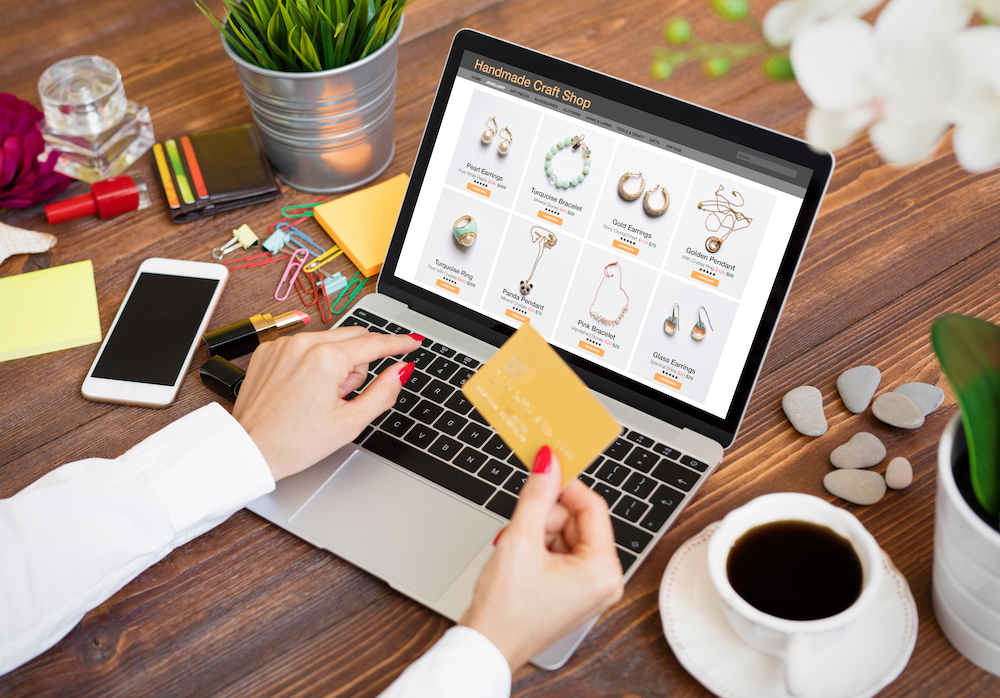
(149, 347)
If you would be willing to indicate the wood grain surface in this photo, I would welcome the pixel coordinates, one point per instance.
(249, 610)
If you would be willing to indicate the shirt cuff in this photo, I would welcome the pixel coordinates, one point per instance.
(204, 467)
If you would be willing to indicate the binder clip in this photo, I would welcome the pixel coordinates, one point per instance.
(242, 237)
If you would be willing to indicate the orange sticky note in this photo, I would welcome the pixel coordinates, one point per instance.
(362, 223)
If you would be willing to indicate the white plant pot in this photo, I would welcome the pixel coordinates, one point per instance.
(966, 562)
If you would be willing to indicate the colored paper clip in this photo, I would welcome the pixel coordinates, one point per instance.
(352, 293)
(322, 300)
(328, 256)
(299, 239)
(249, 263)
(292, 269)
(285, 209)
(302, 289)
(242, 237)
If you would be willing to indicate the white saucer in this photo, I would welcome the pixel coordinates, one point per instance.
(860, 664)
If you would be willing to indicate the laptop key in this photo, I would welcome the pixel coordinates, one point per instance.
(378, 420)
(613, 473)
(406, 400)
(665, 501)
(516, 482)
(363, 435)
(585, 479)
(496, 447)
(475, 434)
(625, 558)
(442, 368)
(629, 537)
(427, 411)
(370, 317)
(471, 460)
(467, 361)
(421, 436)
(667, 452)
(495, 471)
(609, 493)
(639, 485)
(619, 449)
(458, 403)
(693, 463)
(445, 447)
(461, 377)
(417, 381)
(503, 504)
(516, 462)
(429, 467)
(478, 417)
(450, 423)
(437, 391)
(422, 358)
(397, 424)
(393, 328)
(592, 468)
(443, 350)
(641, 459)
(675, 475)
(354, 322)
(382, 365)
(641, 439)
(631, 509)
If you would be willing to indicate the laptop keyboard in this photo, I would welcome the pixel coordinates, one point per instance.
(435, 433)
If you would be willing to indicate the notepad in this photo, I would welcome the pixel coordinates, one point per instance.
(48, 310)
(362, 222)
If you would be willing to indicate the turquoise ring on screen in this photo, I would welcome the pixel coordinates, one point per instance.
(465, 229)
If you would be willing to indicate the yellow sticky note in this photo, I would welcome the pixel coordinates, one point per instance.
(533, 399)
(48, 310)
(362, 222)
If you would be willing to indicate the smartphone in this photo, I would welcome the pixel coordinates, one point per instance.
(149, 347)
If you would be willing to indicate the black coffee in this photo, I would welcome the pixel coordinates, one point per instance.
(795, 569)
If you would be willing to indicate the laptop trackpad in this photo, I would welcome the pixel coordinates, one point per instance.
(394, 525)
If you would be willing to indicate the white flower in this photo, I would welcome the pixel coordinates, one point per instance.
(975, 110)
(987, 8)
(898, 75)
(785, 19)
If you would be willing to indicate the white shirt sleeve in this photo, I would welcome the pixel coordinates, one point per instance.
(462, 664)
(77, 535)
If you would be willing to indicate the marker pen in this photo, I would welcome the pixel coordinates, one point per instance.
(243, 337)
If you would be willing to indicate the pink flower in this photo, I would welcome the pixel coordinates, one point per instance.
(24, 181)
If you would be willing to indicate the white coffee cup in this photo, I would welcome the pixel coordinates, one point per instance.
(796, 642)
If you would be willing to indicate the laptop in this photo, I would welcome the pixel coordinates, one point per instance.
(651, 241)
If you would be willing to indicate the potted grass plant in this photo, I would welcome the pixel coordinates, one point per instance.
(320, 77)
(967, 510)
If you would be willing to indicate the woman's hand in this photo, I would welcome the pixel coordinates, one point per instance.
(554, 568)
(291, 402)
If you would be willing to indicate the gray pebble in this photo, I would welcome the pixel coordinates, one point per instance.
(897, 410)
(899, 473)
(857, 486)
(863, 451)
(804, 408)
(925, 396)
(857, 387)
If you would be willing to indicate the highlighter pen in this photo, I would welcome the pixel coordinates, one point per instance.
(243, 337)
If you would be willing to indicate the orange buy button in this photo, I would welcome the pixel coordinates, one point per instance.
(587, 346)
(514, 315)
(478, 189)
(698, 276)
(545, 216)
(446, 286)
(660, 378)
(624, 246)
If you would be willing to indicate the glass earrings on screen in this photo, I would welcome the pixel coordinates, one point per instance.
(505, 141)
(671, 324)
(490, 131)
(698, 331)
(628, 196)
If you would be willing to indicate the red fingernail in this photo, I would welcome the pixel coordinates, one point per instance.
(542, 461)
(405, 373)
(499, 533)
(417, 337)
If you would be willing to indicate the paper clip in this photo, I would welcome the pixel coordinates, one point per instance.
(285, 209)
(301, 289)
(299, 239)
(328, 256)
(351, 295)
(292, 270)
(242, 236)
(249, 263)
(322, 300)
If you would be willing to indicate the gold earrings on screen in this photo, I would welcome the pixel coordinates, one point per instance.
(632, 196)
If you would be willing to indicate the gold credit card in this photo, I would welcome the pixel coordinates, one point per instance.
(533, 399)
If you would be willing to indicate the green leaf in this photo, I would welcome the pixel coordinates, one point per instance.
(277, 39)
(328, 33)
(969, 352)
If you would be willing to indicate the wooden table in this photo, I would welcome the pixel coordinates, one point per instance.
(248, 609)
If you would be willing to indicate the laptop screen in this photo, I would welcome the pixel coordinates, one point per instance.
(641, 246)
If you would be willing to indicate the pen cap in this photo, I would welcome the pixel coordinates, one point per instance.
(108, 198)
(222, 377)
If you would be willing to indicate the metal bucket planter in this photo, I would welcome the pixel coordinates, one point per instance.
(327, 131)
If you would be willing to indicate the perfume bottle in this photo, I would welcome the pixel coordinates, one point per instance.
(96, 130)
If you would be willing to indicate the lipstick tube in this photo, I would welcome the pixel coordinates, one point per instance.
(243, 337)
(108, 198)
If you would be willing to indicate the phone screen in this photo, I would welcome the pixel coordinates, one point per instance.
(156, 328)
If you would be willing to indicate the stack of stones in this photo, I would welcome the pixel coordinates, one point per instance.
(904, 408)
